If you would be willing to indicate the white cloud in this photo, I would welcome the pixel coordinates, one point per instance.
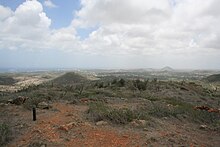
(5, 13)
(126, 27)
(124, 11)
(25, 28)
(49, 4)
(151, 27)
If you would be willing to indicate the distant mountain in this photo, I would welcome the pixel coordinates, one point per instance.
(167, 68)
(70, 78)
(213, 78)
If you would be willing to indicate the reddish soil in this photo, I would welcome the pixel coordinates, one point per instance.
(65, 126)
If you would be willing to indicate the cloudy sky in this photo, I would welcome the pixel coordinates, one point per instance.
(110, 34)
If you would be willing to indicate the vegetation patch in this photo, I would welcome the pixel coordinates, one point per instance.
(180, 109)
(213, 78)
(159, 110)
(5, 134)
(99, 111)
(69, 78)
(6, 80)
(32, 102)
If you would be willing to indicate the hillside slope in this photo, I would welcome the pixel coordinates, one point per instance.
(213, 78)
(167, 69)
(69, 78)
(6, 80)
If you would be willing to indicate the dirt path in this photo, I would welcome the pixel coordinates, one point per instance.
(64, 126)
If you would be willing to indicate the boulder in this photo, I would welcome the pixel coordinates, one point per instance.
(10, 101)
(101, 123)
(202, 127)
(141, 122)
(134, 124)
(138, 123)
(145, 129)
(44, 105)
(68, 126)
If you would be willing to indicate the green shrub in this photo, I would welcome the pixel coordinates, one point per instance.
(196, 116)
(104, 93)
(140, 85)
(179, 108)
(69, 96)
(121, 83)
(121, 116)
(159, 110)
(5, 134)
(100, 111)
(199, 116)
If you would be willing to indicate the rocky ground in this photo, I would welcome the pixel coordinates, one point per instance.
(66, 125)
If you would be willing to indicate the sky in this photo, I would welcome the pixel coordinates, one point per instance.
(182, 34)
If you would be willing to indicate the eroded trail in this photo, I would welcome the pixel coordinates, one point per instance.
(64, 126)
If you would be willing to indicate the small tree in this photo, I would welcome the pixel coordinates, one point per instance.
(140, 85)
(121, 83)
(101, 85)
(154, 80)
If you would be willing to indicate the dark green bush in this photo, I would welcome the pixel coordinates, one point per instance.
(121, 83)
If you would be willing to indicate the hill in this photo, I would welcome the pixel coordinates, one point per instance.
(6, 80)
(213, 78)
(69, 78)
(167, 68)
